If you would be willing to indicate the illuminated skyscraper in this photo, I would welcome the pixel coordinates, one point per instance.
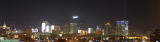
(57, 29)
(98, 30)
(44, 23)
(108, 30)
(90, 30)
(73, 28)
(122, 28)
(52, 27)
(74, 25)
(46, 28)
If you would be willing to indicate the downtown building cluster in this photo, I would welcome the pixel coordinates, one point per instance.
(110, 30)
(75, 26)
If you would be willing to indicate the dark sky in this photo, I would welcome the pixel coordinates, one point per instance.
(90, 11)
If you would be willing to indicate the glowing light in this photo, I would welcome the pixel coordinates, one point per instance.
(4, 26)
(43, 26)
(134, 37)
(90, 41)
(83, 32)
(1, 38)
(34, 30)
(89, 30)
(60, 35)
(79, 31)
(75, 17)
(47, 28)
(16, 31)
(157, 41)
(145, 37)
(15, 36)
(143, 41)
(107, 23)
(52, 27)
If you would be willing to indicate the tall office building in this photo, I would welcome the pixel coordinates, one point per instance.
(122, 28)
(74, 25)
(46, 27)
(98, 30)
(66, 28)
(108, 30)
(57, 29)
(90, 30)
(44, 23)
(73, 28)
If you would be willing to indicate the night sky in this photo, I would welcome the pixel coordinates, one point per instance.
(141, 13)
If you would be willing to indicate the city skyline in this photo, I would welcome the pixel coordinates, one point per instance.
(30, 12)
(79, 20)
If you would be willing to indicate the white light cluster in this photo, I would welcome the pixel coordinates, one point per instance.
(34, 30)
(79, 31)
(89, 30)
(52, 27)
(43, 27)
(47, 28)
(75, 17)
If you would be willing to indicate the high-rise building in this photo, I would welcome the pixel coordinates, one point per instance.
(46, 27)
(74, 25)
(98, 30)
(66, 28)
(108, 30)
(57, 29)
(73, 28)
(122, 28)
(90, 30)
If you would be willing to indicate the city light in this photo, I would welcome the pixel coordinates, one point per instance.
(43, 27)
(89, 30)
(34, 30)
(4, 26)
(75, 17)
(47, 28)
(79, 31)
(157, 41)
(52, 27)
(80, 21)
(123, 27)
